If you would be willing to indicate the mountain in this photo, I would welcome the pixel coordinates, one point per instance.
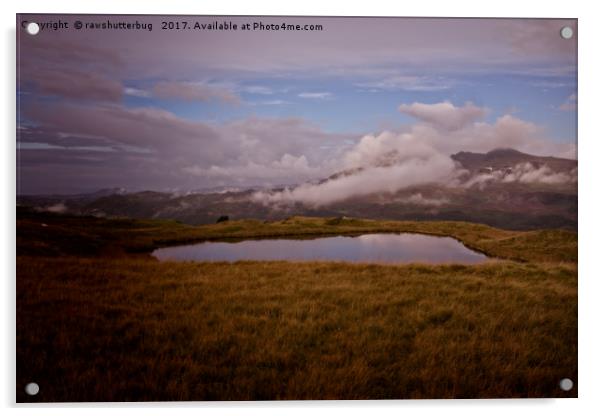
(535, 203)
(506, 158)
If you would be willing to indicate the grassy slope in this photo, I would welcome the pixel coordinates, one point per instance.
(51, 234)
(105, 325)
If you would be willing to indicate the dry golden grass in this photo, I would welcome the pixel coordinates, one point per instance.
(101, 329)
(100, 320)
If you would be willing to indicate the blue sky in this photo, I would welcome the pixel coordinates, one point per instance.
(346, 106)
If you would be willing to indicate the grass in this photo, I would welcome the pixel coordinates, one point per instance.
(48, 234)
(96, 322)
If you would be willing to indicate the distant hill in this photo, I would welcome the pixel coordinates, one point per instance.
(502, 158)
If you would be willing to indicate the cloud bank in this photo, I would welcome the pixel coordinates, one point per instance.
(147, 148)
(415, 168)
(389, 162)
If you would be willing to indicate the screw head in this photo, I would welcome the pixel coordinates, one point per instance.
(32, 28)
(32, 389)
(566, 384)
(566, 32)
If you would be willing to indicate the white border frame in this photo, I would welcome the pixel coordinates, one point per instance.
(590, 277)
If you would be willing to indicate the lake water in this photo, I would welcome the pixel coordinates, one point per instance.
(367, 248)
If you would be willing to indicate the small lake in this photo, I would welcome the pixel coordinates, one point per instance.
(367, 248)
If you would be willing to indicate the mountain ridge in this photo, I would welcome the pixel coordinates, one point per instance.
(508, 157)
(514, 205)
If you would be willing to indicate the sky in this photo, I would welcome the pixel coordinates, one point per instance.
(195, 108)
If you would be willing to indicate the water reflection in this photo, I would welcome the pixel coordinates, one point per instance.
(369, 248)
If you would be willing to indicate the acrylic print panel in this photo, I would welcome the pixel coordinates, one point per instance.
(286, 208)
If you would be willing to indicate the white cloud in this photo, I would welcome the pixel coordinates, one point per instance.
(549, 84)
(258, 89)
(506, 131)
(387, 163)
(408, 83)
(368, 181)
(418, 199)
(136, 92)
(523, 173)
(316, 95)
(385, 149)
(445, 114)
(270, 102)
(527, 173)
(513, 132)
(286, 168)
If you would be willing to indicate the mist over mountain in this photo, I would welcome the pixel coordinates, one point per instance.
(503, 188)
